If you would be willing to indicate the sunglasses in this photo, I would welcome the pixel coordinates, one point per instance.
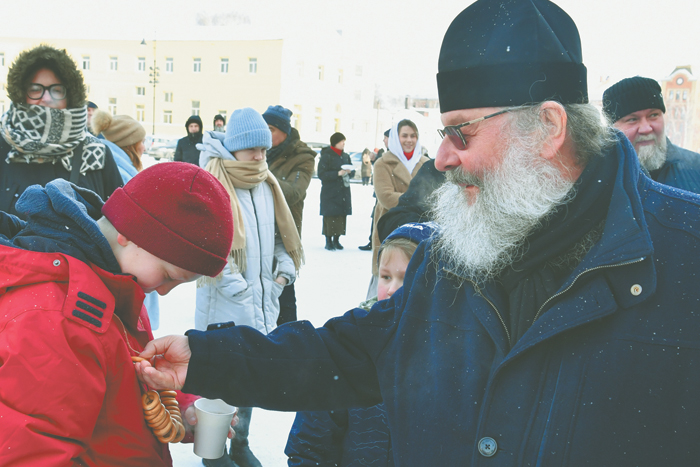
(455, 135)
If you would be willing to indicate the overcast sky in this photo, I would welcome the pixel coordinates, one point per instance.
(620, 38)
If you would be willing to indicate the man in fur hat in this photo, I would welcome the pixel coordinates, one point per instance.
(186, 150)
(44, 132)
(553, 319)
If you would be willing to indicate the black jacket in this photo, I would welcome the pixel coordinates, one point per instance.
(187, 151)
(15, 178)
(335, 196)
(414, 205)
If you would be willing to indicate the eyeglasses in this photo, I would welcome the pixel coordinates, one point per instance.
(455, 135)
(56, 91)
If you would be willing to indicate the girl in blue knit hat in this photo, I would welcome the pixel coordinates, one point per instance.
(266, 252)
(359, 436)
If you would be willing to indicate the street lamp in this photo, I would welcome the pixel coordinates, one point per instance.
(153, 75)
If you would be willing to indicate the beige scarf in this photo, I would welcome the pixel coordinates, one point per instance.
(246, 175)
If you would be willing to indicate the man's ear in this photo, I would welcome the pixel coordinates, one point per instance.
(122, 240)
(554, 117)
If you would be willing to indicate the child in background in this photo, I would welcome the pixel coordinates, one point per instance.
(266, 251)
(72, 285)
(359, 436)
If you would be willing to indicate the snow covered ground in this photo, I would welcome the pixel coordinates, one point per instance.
(330, 283)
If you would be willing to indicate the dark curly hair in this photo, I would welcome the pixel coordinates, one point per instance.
(28, 62)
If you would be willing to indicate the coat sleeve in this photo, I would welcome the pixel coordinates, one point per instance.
(178, 152)
(326, 171)
(285, 264)
(295, 185)
(110, 174)
(384, 185)
(316, 439)
(52, 386)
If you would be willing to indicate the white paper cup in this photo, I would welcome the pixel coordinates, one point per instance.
(213, 421)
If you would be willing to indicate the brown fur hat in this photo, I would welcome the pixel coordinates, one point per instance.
(29, 61)
(122, 130)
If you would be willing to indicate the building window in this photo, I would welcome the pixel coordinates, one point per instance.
(168, 65)
(141, 64)
(319, 119)
(337, 124)
(685, 94)
(113, 63)
(140, 113)
(320, 72)
(252, 66)
(358, 70)
(112, 108)
(2, 58)
(670, 94)
(678, 95)
(340, 76)
(87, 88)
(85, 63)
(224, 65)
(197, 65)
(195, 107)
(140, 91)
(168, 97)
(167, 116)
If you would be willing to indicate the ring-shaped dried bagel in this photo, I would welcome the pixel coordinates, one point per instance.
(163, 429)
(160, 423)
(158, 408)
(150, 400)
(176, 417)
(172, 435)
(168, 393)
(159, 419)
(180, 434)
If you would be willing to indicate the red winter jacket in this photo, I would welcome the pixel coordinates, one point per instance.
(68, 391)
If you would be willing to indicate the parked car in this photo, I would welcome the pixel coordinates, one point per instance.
(165, 150)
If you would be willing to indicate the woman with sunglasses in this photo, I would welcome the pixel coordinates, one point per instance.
(392, 175)
(44, 132)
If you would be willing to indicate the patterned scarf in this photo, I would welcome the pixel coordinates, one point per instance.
(40, 135)
(246, 175)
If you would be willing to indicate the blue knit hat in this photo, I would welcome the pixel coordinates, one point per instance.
(279, 117)
(246, 129)
(413, 231)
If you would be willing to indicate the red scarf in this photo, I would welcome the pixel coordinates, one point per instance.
(409, 154)
(336, 150)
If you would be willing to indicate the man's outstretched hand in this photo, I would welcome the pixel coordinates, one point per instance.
(168, 369)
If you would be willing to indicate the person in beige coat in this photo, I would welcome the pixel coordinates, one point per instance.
(392, 175)
(366, 170)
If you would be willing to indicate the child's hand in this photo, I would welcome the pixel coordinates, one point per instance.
(281, 281)
(191, 421)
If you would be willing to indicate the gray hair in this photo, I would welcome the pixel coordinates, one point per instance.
(590, 134)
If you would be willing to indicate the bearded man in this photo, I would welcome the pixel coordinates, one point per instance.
(636, 107)
(553, 321)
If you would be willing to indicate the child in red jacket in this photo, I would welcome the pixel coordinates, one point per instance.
(72, 283)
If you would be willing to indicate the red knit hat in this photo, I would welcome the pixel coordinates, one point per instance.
(178, 213)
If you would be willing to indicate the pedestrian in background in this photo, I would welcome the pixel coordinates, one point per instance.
(291, 161)
(336, 203)
(44, 132)
(261, 261)
(186, 150)
(366, 170)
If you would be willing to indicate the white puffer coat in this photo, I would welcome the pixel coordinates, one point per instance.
(250, 298)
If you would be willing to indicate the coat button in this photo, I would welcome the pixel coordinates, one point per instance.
(57, 262)
(636, 289)
(487, 447)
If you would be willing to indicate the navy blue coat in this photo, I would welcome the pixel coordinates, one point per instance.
(607, 376)
(681, 169)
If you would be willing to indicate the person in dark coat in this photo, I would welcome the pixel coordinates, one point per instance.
(636, 107)
(552, 321)
(380, 153)
(44, 132)
(415, 204)
(186, 150)
(336, 204)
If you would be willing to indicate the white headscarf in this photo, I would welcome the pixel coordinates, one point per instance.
(397, 150)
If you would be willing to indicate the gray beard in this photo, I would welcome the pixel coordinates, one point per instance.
(479, 241)
(652, 157)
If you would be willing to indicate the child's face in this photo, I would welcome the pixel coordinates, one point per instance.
(248, 155)
(392, 268)
(152, 273)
